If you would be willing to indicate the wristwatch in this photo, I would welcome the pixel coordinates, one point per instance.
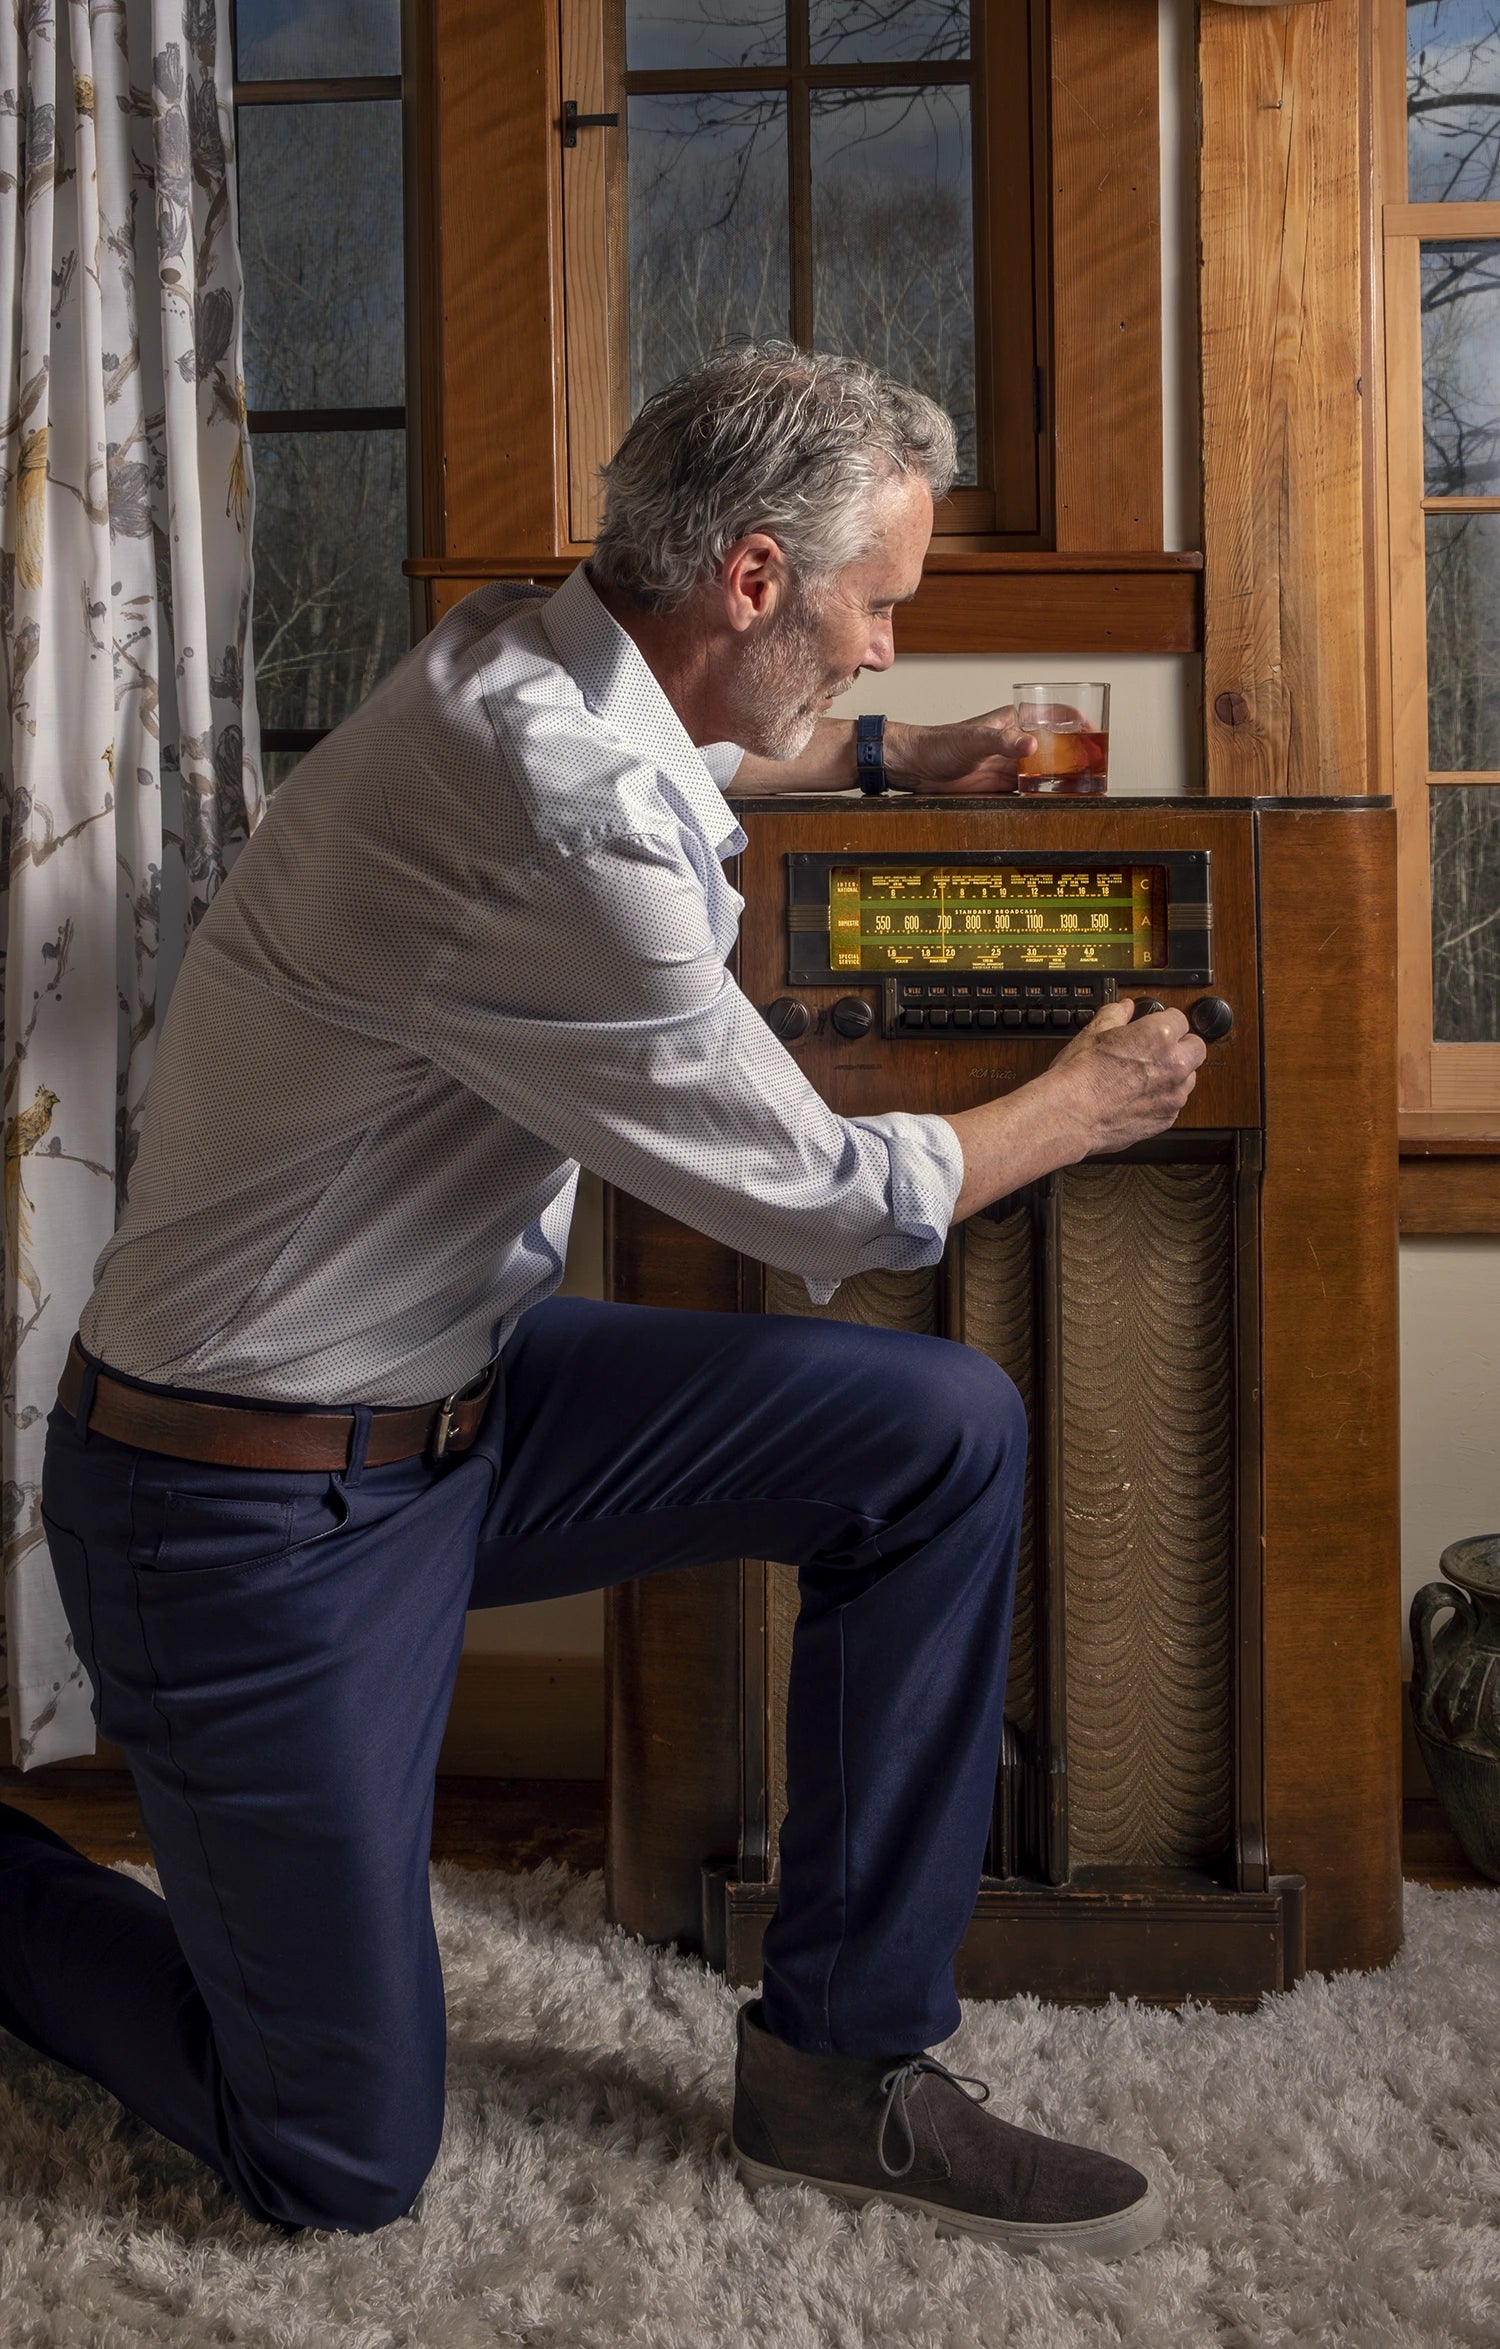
(869, 755)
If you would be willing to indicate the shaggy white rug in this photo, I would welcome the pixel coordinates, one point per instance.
(1331, 2165)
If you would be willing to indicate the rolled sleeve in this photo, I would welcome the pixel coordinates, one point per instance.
(594, 1009)
(926, 1172)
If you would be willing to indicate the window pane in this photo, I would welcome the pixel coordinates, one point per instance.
(1461, 369)
(320, 233)
(879, 32)
(1463, 643)
(665, 36)
(276, 765)
(708, 228)
(301, 40)
(1466, 915)
(331, 607)
(893, 241)
(1453, 100)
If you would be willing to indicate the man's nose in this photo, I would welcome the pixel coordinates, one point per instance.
(881, 651)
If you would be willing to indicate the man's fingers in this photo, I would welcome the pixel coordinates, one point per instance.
(1115, 1015)
(1171, 1024)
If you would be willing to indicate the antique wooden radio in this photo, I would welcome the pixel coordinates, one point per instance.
(1198, 1794)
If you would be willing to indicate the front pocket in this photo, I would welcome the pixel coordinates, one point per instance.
(177, 1532)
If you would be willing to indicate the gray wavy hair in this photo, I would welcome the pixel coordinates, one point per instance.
(768, 437)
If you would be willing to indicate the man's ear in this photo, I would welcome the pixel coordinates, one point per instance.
(753, 578)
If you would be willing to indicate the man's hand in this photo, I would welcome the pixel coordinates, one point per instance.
(1130, 1078)
(973, 756)
(1120, 1081)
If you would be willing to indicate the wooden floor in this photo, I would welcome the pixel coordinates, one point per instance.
(517, 1822)
(480, 1822)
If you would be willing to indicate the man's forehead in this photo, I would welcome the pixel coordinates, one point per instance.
(901, 525)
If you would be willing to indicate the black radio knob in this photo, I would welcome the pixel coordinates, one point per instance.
(852, 1016)
(1211, 1018)
(787, 1018)
(1145, 1004)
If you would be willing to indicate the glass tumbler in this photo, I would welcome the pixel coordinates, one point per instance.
(1071, 725)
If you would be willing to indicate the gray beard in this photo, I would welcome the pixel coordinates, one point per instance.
(780, 674)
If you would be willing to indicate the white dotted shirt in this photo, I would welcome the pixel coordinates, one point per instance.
(478, 939)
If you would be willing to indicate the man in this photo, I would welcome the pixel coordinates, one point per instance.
(319, 1406)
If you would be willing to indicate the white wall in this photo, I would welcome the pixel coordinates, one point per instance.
(1450, 1400)
(1155, 715)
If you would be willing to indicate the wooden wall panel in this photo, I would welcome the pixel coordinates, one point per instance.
(1329, 1404)
(519, 1716)
(1007, 608)
(1282, 298)
(969, 603)
(497, 152)
(1106, 238)
(1458, 1194)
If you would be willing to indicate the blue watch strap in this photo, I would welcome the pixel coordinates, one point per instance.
(869, 755)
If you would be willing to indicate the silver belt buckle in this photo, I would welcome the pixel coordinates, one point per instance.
(447, 1427)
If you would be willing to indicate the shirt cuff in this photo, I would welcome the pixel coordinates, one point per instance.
(723, 761)
(926, 1176)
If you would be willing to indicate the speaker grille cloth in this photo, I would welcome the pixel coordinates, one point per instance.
(1147, 1450)
(997, 1314)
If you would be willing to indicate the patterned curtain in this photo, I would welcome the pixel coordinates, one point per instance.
(129, 755)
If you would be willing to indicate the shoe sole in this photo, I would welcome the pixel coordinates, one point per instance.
(1113, 2237)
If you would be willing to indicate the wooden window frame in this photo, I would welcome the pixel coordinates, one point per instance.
(1449, 1093)
(344, 89)
(1007, 53)
(496, 380)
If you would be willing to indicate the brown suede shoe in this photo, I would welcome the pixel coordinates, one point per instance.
(903, 2129)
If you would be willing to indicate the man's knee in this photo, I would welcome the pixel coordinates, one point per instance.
(942, 1431)
(967, 1412)
(351, 2188)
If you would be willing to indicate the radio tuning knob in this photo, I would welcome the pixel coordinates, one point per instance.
(787, 1018)
(1211, 1018)
(852, 1016)
(1145, 1004)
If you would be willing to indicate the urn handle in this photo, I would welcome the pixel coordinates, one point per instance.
(1432, 1600)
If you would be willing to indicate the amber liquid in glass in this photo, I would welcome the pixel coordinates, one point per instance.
(1071, 760)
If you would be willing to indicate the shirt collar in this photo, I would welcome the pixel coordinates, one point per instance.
(611, 673)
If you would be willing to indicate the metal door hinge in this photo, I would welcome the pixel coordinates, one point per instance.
(573, 122)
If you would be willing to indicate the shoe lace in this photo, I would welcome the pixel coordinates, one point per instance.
(897, 2085)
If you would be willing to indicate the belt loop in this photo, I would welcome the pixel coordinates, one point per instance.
(84, 1413)
(359, 1442)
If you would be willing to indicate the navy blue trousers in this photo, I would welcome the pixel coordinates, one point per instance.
(276, 1652)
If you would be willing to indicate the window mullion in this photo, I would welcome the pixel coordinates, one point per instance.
(799, 176)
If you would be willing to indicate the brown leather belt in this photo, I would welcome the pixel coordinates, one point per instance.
(261, 1435)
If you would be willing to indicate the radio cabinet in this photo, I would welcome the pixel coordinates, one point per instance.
(1199, 1789)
